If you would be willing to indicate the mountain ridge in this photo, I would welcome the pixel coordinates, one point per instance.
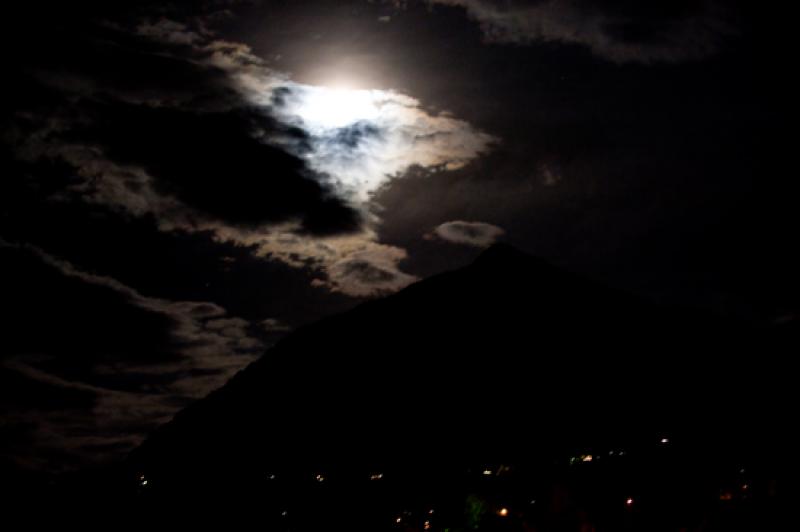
(473, 301)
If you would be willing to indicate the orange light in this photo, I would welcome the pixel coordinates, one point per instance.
(503, 512)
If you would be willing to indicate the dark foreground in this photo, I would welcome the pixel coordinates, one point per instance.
(657, 484)
(508, 395)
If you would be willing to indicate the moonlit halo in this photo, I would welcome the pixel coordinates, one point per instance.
(325, 108)
(363, 138)
(400, 133)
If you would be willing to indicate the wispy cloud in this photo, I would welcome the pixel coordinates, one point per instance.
(198, 347)
(622, 32)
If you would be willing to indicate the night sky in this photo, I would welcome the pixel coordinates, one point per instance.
(183, 184)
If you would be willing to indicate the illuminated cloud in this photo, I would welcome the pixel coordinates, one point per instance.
(361, 139)
(365, 138)
(373, 269)
(626, 32)
(476, 234)
(229, 147)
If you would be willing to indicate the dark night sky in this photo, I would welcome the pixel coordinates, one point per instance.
(182, 184)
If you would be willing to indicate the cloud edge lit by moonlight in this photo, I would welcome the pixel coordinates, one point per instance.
(347, 158)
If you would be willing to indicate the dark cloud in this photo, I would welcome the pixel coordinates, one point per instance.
(218, 165)
(273, 325)
(163, 131)
(22, 392)
(89, 364)
(111, 99)
(622, 31)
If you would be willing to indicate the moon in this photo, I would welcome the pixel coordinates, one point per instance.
(325, 108)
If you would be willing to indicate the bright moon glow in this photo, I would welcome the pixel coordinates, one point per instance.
(327, 108)
(359, 139)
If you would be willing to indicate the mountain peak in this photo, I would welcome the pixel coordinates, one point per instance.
(504, 256)
(501, 251)
(510, 337)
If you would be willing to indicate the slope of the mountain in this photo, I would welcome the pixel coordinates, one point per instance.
(506, 359)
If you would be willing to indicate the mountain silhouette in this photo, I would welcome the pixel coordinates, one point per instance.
(509, 359)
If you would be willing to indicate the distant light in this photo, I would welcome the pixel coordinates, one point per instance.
(398, 520)
(284, 513)
(533, 501)
(320, 478)
(144, 483)
(430, 512)
(629, 501)
(503, 512)
(272, 477)
(664, 440)
(487, 472)
(376, 476)
(725, 496)
(745, 487)
(586, 458)
(427, 525)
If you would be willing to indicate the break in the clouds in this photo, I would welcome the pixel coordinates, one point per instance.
(221, 143)
(622, 32)
(477, 234)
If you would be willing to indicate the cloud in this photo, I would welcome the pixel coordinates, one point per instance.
(476, 234)
(371, 270)
(376, 136)
(621, 32)
(169, 31)
(272, 325)
(550, 174)
(89, 379)
(199, 135)
(161, 121)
